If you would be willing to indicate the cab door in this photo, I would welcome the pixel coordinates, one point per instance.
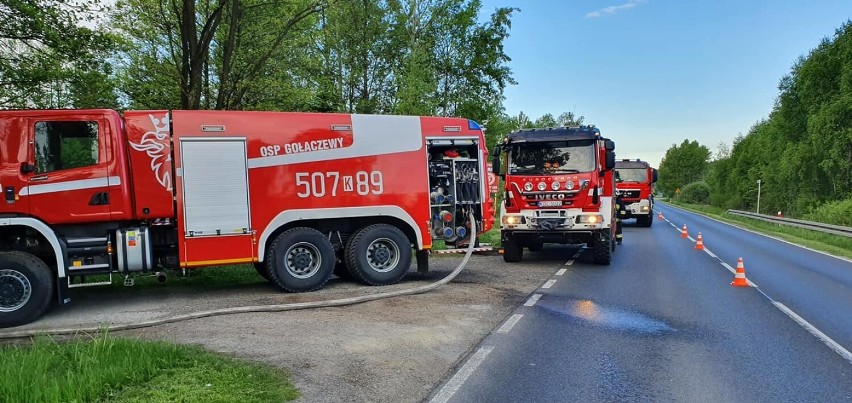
(68, 177)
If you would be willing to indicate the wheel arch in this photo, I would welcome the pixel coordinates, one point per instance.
(13, 225)
(339, 219)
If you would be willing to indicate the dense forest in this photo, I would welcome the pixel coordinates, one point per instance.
(801, 153)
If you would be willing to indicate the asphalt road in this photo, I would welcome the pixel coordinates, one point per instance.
(662, 323)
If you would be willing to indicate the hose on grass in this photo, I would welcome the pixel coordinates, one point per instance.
(255, 308)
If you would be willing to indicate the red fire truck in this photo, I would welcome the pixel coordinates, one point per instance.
(634, 181)
(298, 195)
(559, 188)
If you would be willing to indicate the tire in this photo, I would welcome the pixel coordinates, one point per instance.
(379, 254)
(535, 247)
(300, 260)
(261, 270)
(26, 288)
(512, 251)
(602, 247)
(644, 221)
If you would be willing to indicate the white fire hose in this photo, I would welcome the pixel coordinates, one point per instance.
(256, 308)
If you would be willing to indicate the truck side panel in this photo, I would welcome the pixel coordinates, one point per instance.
(150, 150)
(305, 166)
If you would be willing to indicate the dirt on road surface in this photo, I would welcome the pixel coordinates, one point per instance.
(390, 350)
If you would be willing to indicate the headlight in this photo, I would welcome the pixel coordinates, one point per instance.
(645, 208)
(590, 219)
(542, 186)
(528, 186)
(555, 185)
(569, 185)
(513, 219)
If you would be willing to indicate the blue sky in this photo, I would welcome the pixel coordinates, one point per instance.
(652, 73)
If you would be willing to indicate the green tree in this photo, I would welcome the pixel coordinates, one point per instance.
(49, 60)
(682, 164)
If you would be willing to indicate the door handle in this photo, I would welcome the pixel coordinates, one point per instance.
(99, 199)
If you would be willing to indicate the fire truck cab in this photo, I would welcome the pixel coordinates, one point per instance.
(634, 184)
(558, 188)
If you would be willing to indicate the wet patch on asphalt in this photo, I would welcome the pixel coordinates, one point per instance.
(593, 314)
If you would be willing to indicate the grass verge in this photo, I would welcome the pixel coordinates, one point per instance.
(833, 244)
(105, 368)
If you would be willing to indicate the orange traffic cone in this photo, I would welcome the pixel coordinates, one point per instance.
(660, 216)
(739, 277)
(683, 233)
(699, 243)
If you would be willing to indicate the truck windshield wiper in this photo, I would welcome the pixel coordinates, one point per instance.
(569, 170)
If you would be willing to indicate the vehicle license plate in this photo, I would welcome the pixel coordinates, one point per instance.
(550, 203)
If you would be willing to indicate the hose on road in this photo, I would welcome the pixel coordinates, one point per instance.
(256, 308)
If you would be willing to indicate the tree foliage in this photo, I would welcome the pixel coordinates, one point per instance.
(48, 59)
(802, 152)
(682, 164)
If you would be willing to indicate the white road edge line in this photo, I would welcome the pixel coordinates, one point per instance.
(549, 283)
(460, 377)
(510, 323)
(561, 272)
(816, 332)
(764, 235)
(533, 299)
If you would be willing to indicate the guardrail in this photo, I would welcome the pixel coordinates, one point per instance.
(814, 226)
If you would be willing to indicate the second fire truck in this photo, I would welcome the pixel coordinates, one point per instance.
(558, 188)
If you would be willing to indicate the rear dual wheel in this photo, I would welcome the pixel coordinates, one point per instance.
(378, 254)
(299, 260)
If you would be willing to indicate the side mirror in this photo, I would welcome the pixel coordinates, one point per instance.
(609, 145)
(610, 159)
(654, 176)
(495, 161)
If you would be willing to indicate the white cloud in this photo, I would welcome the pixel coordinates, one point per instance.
(614, 9)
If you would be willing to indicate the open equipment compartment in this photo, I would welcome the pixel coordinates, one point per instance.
(455, 188)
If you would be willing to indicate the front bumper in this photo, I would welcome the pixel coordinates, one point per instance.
(637, 209)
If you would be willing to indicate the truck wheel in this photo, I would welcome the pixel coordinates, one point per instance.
(512, 251)
(602, 246)
(260, 268)
(379, 254)
(535, 247)
(26, 288)
(644, 221)
(300, 259)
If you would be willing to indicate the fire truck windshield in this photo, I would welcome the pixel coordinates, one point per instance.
(535, 158)
(631, 175)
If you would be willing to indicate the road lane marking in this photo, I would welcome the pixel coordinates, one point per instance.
(561, 271)
(510, 323)
(761, 234)
(460, 377)
(533, 299)
(549, 284)
(570, 262)
(814, 331)
(576, 255)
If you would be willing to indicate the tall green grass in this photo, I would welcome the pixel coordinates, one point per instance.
(105, 368)
(834, 244)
